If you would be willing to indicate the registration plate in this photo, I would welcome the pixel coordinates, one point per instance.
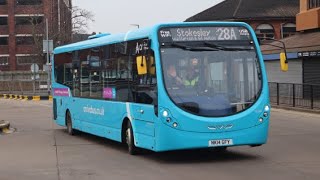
(220, 142)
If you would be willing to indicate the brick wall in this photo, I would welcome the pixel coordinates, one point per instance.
(276, 24)
(50, 10)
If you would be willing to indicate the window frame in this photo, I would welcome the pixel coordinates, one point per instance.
(122, 55)
(5, 20)
(313, 4)
(5, 39)
(29, 2)
(4, 60)
(4, 2)
(264, 34)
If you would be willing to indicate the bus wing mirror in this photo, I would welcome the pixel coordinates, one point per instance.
(283, 62)
(141, 65)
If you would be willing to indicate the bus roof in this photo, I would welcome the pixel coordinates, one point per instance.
(130, 35)
(104, 40)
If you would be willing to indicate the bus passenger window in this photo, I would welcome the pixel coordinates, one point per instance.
(63, 69)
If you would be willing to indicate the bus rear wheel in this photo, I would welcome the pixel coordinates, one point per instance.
(132, 149)
(70, 130)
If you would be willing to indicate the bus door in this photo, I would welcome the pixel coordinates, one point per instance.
(145, 95)
(144, 113)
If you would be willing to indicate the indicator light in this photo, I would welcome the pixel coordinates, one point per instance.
(175, 125)
(261, 120)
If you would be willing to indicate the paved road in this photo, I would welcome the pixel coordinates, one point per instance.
(40, 150)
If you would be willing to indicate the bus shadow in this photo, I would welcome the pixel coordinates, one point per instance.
(200, 156)
(172, 157)
(82, 138)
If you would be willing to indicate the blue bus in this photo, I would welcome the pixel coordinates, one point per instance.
(168, 87)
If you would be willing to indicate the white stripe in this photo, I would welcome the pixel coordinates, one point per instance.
(28, 15)
(126, 37)
(128, 110)
(27, 35)
(26, 55)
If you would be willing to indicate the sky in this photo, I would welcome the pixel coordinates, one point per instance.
(118, 16)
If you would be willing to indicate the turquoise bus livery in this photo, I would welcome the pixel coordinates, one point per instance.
(168, 87)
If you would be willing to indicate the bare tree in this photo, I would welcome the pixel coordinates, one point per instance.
(37, 32)
(79, 23)
(81, 19)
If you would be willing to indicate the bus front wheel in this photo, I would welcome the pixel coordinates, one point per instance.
(132, 149)
(70, 130)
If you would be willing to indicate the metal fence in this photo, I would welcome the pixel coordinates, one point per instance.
(283, 94)
(295, 95)
(23, 83)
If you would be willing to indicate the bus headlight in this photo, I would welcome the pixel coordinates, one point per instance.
(165, 113)
(175, 125)
(266, 108)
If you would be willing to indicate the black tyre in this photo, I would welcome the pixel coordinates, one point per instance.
(70, 130)
(132, 149)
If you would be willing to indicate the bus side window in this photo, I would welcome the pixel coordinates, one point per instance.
(63, 69)
(76, 73)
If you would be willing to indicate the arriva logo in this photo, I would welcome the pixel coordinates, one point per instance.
(92, 110)
(220, 127)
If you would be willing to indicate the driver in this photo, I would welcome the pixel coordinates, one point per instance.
(172, 77)
(192, 76)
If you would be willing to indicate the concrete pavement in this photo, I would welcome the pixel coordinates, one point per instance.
(40, 150)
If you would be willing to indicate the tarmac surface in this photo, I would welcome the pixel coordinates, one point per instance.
(40, 150)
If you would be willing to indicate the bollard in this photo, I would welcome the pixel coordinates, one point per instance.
(36, 98)
(4, 127)
(25, 98)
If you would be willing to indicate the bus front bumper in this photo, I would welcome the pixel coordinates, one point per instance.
(170, 138)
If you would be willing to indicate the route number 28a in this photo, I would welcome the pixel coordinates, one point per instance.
(226, 34)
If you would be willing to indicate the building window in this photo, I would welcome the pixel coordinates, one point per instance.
(288, 29)
(3, 21)
(3, 41)
(3, 2)
(32, 20)
(26, 60)
(313, 4)
(264, 31)
(29, 2)
(25, 40)
(4, 60)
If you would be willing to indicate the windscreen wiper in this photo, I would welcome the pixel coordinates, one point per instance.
(192, 48)
(223, 48)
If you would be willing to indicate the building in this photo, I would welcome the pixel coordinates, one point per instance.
(271, 19)
(23, 28)
(303, 49)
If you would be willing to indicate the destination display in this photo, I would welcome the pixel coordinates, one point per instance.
(182, 34)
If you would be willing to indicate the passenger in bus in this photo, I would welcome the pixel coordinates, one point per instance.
(192, 76)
